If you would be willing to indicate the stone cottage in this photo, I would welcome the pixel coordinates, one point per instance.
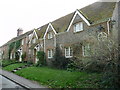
(16, 46)
(76, 28)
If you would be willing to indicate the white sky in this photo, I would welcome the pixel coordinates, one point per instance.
(29, 14)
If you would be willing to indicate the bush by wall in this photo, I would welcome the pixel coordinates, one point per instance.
(75, 64)
(59, 61)
(8, 62)
(23, 56)
(17, 56)
(14, 45)
(11, 47)
(41, 57)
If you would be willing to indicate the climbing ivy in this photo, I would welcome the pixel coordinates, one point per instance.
(14, 45)
(17, 44)
(11, 46)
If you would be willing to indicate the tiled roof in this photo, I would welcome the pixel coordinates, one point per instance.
(98, 11)
(18, 38)
(61, 24)
(94, 13)
(42, 30)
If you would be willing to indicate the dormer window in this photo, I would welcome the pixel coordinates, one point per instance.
(50, 35)
(22, 41)
(30, 36)
(78, 27)
(34, 40)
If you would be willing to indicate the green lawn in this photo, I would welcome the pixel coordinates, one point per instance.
(8, 62)
(13, 66)
(60, 78)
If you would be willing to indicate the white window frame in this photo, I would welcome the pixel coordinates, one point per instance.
(26, 40)
(34, 40)
(29, 51)
(50, 53)
(30, 36)
(22, 41)
(41, 45)
(78, 27)
(69, 52)
(50, 35)
(83, 49)
(38, 47)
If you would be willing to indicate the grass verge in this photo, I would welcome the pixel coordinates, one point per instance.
(13, 66)
(61, 78)
(5, 63)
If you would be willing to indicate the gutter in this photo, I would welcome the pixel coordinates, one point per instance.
(108, 26)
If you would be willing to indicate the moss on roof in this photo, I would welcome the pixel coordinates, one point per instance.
(98, 11)
(62, 23)
(94, 13)
(42, 30)
(32, 46)
(19, 37)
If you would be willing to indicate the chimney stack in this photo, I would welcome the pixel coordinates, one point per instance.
(19, 31)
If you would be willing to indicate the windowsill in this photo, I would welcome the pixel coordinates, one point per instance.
(78, 31)
(50, 38)
(50, 57)
(68, 56)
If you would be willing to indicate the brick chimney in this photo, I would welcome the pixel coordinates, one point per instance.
(19, 32)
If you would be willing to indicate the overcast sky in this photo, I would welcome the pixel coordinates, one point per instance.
(30, 14)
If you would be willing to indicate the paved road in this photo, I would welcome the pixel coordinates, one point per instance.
(6, 83)
(22, 81)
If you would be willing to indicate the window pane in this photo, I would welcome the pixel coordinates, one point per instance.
(50, 53)
(81, 26)
(66, 51)
(50, 35)
(22, 41)
(87, 50)
(71, 52)
(78, 27)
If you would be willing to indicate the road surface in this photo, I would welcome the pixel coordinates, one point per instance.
(6, 83)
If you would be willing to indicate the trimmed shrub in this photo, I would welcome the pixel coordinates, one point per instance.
(75, 64)
(110, 78)
(23, 56)
(17, 56)
(94, 66)
(8, 62)
(41, 57)
(59, 60)
(29, 62)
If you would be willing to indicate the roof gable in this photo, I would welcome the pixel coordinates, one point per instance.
(49, 26)
(42, 31)
(34, 34)
(75, 15)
